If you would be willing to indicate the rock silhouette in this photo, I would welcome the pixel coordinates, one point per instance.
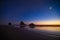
(22, 24)
(9, 23)
(31, 25)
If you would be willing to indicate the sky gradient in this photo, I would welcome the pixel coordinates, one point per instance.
(30, 11)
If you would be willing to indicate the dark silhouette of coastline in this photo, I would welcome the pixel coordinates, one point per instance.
(32, 25)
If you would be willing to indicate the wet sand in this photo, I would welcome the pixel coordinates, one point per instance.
(14, 33)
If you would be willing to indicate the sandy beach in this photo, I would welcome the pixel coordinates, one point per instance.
(14, 33)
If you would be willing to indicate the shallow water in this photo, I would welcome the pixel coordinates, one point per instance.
(48, 28)
(44, 28)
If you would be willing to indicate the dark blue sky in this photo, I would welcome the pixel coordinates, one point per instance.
(29, 10)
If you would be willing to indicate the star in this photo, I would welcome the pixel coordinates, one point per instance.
(50, 7)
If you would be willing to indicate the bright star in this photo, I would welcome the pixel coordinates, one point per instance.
(50, 8)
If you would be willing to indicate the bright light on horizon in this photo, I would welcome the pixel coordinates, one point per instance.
(50, 22)
(44, 22)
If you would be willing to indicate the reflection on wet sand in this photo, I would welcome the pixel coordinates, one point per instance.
(48, 28)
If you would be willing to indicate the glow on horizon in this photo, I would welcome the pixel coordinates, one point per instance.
(50, 22)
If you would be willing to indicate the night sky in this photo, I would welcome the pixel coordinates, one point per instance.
(29, 11)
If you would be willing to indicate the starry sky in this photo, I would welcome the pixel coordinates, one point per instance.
(29, 11)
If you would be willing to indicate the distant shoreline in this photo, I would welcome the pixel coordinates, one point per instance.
(48, 25)
(38, 25)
